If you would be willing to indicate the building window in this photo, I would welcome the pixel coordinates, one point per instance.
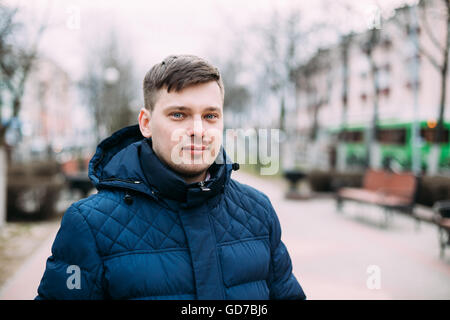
(410, 85)
(429, 135)
(391, 136)
(351, 136)
(387, 43)
(409, 29)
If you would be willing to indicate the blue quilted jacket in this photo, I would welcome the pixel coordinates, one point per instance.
(147, 234)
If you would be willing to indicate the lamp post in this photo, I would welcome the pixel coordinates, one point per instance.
(416, 163)
(111, 77)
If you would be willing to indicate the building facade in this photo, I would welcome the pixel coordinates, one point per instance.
(359, 102)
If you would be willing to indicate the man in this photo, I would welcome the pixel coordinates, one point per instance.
(168, 222)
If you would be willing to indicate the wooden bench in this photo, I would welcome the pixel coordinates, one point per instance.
(391, 191)
(442, 220)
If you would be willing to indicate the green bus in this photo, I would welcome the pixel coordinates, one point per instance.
(395, 140)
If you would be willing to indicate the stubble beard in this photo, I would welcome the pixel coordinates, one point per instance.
(188, 170)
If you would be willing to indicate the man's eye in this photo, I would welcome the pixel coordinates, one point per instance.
(177, 115)
(211, 116)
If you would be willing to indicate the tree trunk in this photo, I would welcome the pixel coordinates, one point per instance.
(444, 72)
(440, 124)
(341, 157)
(433, 160)
(3, 185)
(282, 113)
(433, 164)
(374, 160)
(283, 133)
(315, 124)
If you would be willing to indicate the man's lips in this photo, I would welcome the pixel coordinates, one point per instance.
(196, 148)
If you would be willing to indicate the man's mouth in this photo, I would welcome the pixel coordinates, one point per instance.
(195, 150)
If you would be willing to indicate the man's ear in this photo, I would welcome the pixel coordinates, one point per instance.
(144, 122)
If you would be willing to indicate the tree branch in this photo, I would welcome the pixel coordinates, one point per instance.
(421, 49)
(430, 58)
(427, 29)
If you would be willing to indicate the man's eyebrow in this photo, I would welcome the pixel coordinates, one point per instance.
(176, 108)
(183, 108)
(213, 109)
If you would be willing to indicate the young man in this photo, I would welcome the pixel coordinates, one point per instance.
(168, 222)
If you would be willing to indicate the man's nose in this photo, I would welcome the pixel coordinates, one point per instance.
(196, 128)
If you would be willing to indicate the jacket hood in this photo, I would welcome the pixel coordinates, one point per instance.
(126, 160)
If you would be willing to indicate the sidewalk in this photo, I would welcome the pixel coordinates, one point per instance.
(337, 256)
(23, 285)
(333, 255)
(29, 264)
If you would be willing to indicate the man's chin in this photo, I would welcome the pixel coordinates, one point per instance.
(190, 171)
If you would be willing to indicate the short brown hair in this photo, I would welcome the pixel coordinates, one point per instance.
(178, 72)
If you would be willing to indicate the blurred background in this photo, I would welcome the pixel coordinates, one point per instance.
(358, 91)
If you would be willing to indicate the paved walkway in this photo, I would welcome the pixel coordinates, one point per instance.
(338, 256)
(335, 256)
(24, 283)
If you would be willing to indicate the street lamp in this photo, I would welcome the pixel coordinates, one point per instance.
(111, 75)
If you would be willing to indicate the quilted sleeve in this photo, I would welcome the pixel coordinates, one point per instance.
(282, 283)
(74, 269)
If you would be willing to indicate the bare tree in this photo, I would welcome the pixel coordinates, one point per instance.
(237, 96)
(110, 87)
(281, 40)
(16, 62)
(441, 61)
(312, 78)
(368, 46)
(280, 56)
(436, 54)
(345, 44)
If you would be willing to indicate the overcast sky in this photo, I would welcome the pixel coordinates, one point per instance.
(150, 30)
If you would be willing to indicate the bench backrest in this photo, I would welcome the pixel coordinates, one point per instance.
(375, 180)
(397, 184)
(402, 184)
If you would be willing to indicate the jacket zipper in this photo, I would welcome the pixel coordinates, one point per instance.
(122, 180)
(202, 186)
(129, 181)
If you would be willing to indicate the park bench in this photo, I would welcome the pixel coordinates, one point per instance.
(442, 220)
(388, 190)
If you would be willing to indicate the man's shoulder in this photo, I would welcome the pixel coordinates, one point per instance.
(255, 196)
(98, 204)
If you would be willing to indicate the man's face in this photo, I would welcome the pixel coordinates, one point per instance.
(186, 128)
